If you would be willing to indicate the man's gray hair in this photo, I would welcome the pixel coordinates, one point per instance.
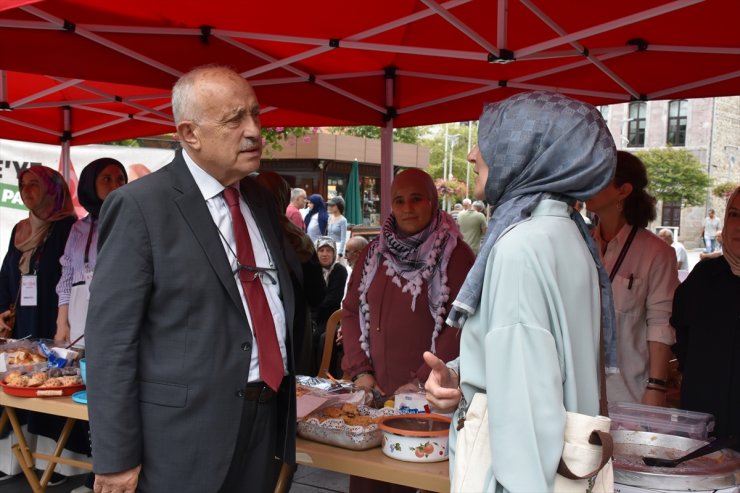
(466, 202)
(667, 232)
(360, 241)
(296, 192)
(479, 205)
(184, 107)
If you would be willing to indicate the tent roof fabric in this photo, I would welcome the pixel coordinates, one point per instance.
(333, 62)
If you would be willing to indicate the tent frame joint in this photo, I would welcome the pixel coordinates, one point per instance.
(69, 26)
(205, 34)
(641, 44)
(390, 113)
(504, 56)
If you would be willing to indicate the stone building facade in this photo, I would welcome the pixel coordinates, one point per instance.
(709, 128)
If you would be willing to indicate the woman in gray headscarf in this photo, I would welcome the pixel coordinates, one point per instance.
(532, 303)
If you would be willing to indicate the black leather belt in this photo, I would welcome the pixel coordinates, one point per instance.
(259, 392)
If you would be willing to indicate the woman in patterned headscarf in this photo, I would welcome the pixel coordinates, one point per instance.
(532, 305)
(36, 244)
(400, 291)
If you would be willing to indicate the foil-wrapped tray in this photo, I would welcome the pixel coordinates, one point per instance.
(714, 471)
(335, 431)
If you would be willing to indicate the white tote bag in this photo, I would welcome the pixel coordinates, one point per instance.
(586, 459)
(586, 464)
(473, 448)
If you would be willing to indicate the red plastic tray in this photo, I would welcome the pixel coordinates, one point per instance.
(40, 391)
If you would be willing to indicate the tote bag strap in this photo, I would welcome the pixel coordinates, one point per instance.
(597, 437)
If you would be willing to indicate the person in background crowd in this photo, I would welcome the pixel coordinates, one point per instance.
(643, 282)
(317, 219)
(708, 340)
(293, 210)
(190, 351)
(35, 246)
(308, 292)
(456, 210)
(534, 301)
(97, 180)
(718, 250)
(472, 226)
(354, 246)
(335, 279)
(406, 279)
(710, 231)
(682, 258)
(337, 228)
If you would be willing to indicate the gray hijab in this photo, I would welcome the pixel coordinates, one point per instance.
(541, 145)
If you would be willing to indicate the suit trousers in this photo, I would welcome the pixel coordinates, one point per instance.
(253, 466)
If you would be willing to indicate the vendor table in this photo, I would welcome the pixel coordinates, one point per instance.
(373, 464)
(367, 463)
(58, 406)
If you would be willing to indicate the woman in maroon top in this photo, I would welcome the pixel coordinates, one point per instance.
(399, 295)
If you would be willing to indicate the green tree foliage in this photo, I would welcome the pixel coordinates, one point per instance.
(435, 140)
(724, 190)
(676, 176)
(409, 135)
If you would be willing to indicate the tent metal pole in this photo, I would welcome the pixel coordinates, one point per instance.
(66, 138)
(386, 147)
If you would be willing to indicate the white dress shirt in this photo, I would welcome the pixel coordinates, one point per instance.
(212, 193)
(643, 298)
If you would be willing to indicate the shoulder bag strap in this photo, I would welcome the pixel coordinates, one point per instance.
(623, 253)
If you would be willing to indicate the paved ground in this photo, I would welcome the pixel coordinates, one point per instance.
(306, 479)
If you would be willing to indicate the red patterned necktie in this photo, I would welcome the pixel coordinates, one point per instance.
(270, 359)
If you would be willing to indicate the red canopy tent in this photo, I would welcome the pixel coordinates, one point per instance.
(388, 62)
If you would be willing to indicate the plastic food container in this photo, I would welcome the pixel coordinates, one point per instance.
(640, 417)
(416, 437)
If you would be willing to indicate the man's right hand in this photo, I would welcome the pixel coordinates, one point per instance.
(442, 388)
(118, 482)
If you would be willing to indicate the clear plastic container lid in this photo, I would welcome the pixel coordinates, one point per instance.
(640, 417)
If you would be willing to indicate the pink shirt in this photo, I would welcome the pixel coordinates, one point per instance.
(295, 216)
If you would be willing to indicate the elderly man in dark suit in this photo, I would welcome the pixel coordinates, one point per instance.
(189, 331)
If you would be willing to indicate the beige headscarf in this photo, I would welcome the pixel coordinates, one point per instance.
(732, 258)
(56, 204)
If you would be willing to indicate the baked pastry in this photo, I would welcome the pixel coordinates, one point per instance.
(15, 379)
(38, 379)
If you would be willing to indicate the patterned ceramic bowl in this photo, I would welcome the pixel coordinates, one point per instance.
(415, 437)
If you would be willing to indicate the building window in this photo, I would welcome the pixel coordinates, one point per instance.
(637, 122)
(677, 111)
(604, 110)
(671, 214)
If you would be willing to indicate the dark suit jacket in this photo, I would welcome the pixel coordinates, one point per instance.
(167, 341)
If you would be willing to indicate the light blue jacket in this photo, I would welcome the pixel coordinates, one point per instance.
(533, 347)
